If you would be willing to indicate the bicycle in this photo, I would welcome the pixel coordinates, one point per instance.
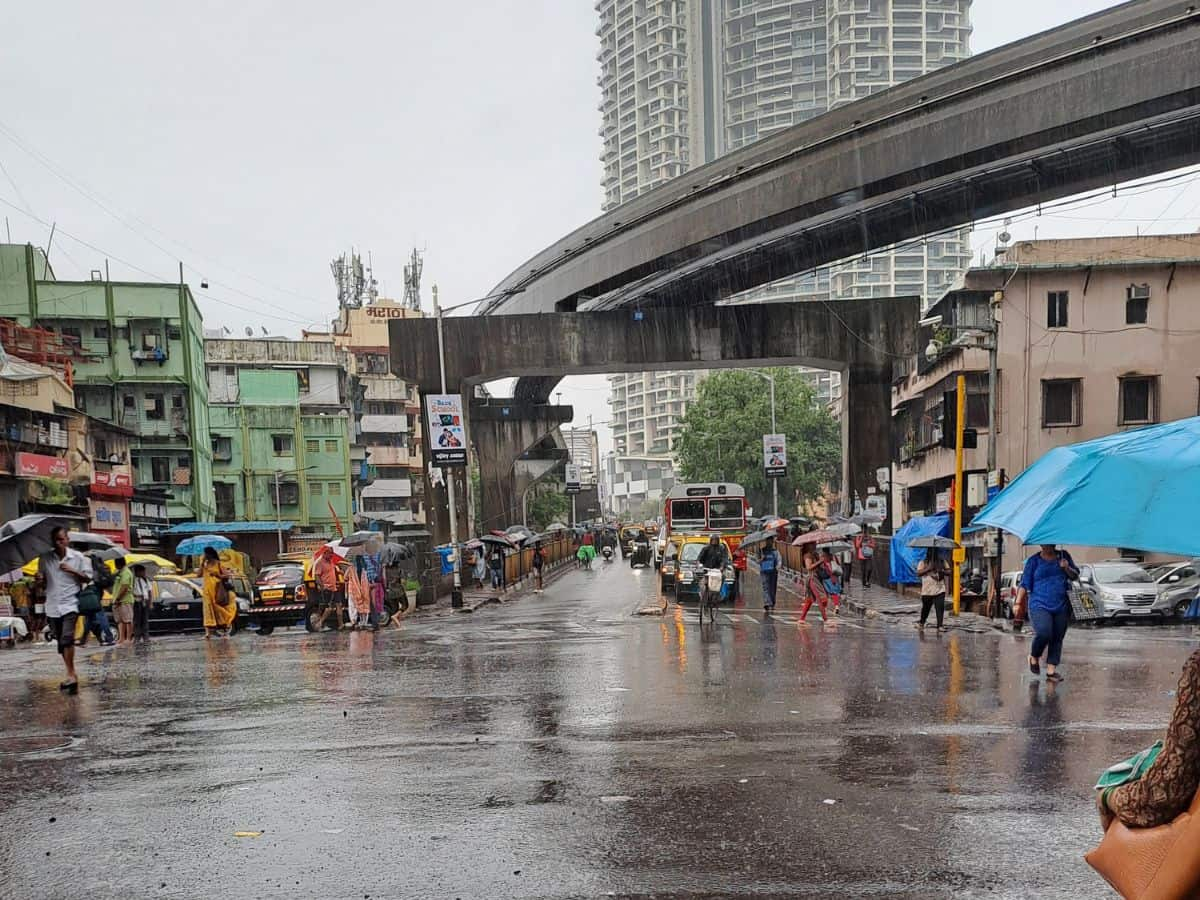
(711, 583)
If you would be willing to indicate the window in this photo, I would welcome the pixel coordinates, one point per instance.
(226, 507)
(1137, 304)
(127, 402)
(177, 401)
(150, 339)
(1060, 403)
(123, 332)
(222, 447)
(312, 446)
(160, 469)
(100, 332)
(174, 333)
(99, 448)
(152, 406)
(183, 462)
(72, 331)
(289, 493)
(231, 372)
(315, 488)
(1138, 400)
(1056, 309)
(331, 446)
(302, 379)
(282, 444)
(335, 489)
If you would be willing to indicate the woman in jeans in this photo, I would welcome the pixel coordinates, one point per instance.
(1043, 592)
(933, 572)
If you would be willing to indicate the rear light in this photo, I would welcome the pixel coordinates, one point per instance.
(301, 593)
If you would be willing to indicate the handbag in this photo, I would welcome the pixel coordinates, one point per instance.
(89, 600)
(1158, 863)
(223, 592)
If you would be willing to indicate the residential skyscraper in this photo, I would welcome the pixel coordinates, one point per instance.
(685, 81)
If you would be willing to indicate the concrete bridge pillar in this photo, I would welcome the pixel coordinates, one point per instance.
(517, 443)
(866, 433)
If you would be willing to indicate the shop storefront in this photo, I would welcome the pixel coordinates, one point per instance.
(148, 522)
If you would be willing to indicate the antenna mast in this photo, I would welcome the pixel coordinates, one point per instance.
(355, 282)
(412, 280)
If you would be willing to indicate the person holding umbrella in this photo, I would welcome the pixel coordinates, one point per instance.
(933, 571)
(220, 608)
(63, 572)
(1043, 592)
(768, 567)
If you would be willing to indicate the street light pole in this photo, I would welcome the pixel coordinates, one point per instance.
(774, 430)
(278, 516)
(456, 599)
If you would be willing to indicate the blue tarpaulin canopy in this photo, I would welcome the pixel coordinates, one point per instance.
(1137, 489)
(906, 558)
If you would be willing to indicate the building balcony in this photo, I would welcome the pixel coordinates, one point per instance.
(388, 487)
(392, 456)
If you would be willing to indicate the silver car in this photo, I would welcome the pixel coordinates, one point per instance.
(1124, 590)
(1178, 583)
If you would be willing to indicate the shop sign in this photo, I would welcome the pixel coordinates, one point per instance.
(108, 515)
(118, 484)
(36, 465)
(145, 536)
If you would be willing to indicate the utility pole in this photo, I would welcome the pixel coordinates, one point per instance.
(456, 598)
(959, 554)
(993, 441)
(278, 517)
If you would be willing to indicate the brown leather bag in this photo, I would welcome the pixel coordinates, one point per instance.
(1160, 863)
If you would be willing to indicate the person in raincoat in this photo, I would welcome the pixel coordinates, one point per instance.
(768, 568)
(220, 604)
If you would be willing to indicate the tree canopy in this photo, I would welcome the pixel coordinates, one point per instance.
(721, 436)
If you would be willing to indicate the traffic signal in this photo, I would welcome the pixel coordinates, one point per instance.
(950, 424)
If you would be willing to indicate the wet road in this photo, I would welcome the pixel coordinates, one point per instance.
(560, 747)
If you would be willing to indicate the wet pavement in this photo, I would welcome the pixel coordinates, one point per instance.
(559, 746)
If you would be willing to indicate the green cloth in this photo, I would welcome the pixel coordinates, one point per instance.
(124, 578)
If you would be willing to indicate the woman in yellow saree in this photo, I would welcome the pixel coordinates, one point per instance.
(218, 616)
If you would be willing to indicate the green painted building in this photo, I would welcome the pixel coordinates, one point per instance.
(280, 434)
(141, 366)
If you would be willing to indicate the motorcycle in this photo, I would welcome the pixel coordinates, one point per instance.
(607, 553)
(640, 555)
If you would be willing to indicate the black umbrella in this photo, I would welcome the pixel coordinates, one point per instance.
(113, 553)
(25, 538)
(496, 539)
(757, 537)
(359, 537)
(933, 542)
(85, 541)
(393, 553)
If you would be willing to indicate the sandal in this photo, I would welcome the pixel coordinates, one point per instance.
(1054, 676)
(1035, 667)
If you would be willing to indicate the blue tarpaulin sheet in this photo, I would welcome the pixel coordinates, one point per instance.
(447, 563)
(905, 558)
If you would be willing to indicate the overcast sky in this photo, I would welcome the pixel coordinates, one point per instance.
(255, 141)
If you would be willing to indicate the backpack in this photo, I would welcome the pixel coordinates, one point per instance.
(769, 561)
(101, 575)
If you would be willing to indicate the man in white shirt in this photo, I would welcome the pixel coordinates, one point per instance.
(63, 572)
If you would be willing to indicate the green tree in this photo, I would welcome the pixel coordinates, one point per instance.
(547, 503)
(721, 436)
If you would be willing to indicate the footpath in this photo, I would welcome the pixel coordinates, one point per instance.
(475, 598)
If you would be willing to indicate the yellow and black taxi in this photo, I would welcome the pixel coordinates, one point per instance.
(686, 563)
(630, 535)
(280, 595)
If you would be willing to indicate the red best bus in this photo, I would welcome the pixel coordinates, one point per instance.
(715, 507)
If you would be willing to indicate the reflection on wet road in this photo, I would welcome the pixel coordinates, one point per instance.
(560, 747)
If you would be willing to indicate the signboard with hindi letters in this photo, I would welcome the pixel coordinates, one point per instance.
(447, 433)
(775, 455)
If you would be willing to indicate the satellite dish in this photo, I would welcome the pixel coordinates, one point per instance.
(249, 331)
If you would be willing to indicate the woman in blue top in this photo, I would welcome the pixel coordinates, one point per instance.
(1043, 590)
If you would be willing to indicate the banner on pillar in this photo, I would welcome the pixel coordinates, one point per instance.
(447, 434)
(775, 455)
(573, 479)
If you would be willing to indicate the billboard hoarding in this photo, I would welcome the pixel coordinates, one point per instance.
(775, 455)
(447, 432)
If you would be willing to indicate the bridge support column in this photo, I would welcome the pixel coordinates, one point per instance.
(866, 434)
(513, 441)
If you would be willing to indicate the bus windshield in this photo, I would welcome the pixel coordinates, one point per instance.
(726, 513)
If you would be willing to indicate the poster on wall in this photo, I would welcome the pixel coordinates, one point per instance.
(447, 434)
(775, 455)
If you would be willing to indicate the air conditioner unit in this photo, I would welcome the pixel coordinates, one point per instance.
(1138, 292)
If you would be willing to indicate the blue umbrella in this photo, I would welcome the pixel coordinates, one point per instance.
(194, 546)
(1138, 489)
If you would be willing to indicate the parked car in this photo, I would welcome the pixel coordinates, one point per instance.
(1124, 590)
(280, 596)
(177, 603)
(1177, 583)
(1010, 582)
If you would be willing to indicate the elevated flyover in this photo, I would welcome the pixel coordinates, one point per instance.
(1104, 99)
